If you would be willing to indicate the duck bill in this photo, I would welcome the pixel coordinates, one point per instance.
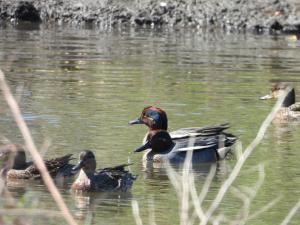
(136, 121)
(78, 166)
(266, 97)
(144, 147)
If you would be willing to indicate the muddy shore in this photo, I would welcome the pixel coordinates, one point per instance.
(230, 15)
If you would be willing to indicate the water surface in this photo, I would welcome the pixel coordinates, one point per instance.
(78, 88)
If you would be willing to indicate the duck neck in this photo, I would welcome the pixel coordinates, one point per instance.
(88, 172)
(82, 182)
(18, 161)
(151, 132)
(289, 98)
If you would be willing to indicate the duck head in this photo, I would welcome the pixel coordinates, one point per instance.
(280, 89)
(159, 142)
(87, 162)
(153, 117)
(13, 156)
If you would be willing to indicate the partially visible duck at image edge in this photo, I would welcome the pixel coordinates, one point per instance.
(15, 166)
(290, 109)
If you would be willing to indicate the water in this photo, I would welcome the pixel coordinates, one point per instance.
(78, 88)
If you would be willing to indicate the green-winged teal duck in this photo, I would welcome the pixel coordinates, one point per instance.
(290, 109)
(108, 179)
(209, 143)
(15, 165)
(161, 147)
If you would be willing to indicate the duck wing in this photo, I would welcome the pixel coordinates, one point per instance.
(204, 142)
(195, 143)
(53, 165)
(104, 181)
(199, 131)
(113, 179)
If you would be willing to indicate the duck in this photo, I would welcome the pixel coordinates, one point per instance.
(290, 109)
(109, 179)
(162, 148)
(210, 143)
(15, 165)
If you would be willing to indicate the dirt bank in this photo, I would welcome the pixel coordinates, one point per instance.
(238, 15)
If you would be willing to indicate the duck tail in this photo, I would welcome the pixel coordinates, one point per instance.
(231, 139)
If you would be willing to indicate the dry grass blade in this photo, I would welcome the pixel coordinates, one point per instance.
(182, 184)
(198, 200)
(33, 150)
(136, 212)
(184, 216)
(264, 208)
(241, 217)
(219, 219)
(2, 185)
(247, 194)
(197, 204)
(175, 179)
(292, 212)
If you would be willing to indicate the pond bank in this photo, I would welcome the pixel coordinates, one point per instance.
(231, 15)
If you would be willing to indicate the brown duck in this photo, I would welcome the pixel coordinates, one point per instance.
(15, 166)
(108, 179)
(290, 109)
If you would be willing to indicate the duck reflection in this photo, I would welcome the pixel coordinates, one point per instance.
(88, 203)
(200, 171)
(17, 186)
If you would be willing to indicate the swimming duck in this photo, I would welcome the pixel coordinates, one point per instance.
(290, 110)
(15, 166)
(108, 179)
(161, 147)
(209, 139)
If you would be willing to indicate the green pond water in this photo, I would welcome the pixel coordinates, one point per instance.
(78, 88)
